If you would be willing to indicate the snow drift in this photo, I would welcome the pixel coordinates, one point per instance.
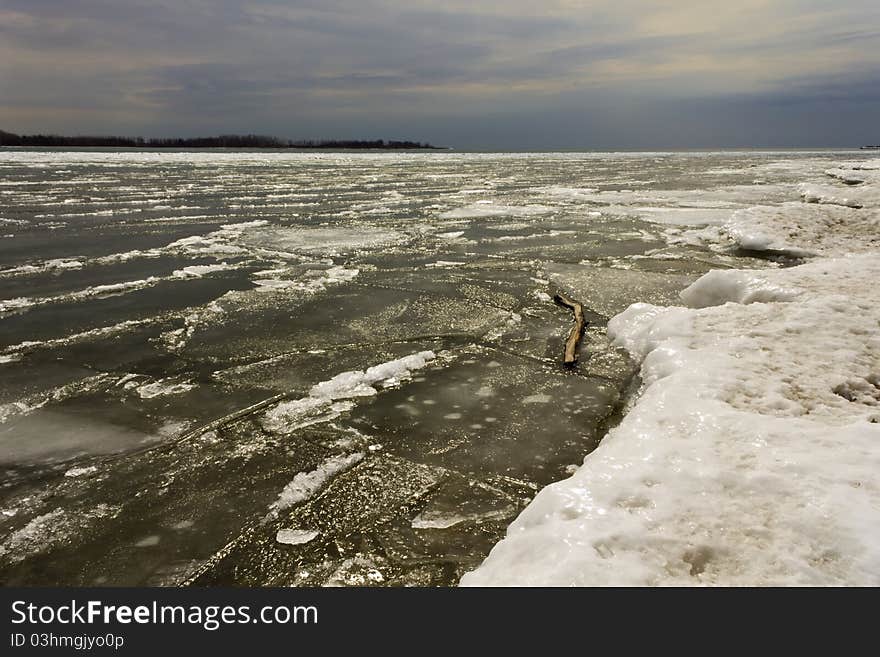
(751, 454)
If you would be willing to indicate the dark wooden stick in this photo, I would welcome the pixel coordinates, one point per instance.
(577, 331)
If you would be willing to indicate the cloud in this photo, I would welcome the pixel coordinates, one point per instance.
(299, 68)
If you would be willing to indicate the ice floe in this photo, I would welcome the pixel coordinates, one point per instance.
(81, 472)
(316, 280)
(306, 484)
(295, 536)
(326, 400)
(164, 387)
(325, 241)
(50, 529)
(112, 289)
(482, 209)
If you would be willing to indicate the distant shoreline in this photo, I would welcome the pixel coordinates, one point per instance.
(221, 141)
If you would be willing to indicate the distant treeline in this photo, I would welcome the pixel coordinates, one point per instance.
(223, 141)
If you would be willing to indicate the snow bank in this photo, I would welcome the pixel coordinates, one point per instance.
(717, 287)
(750, 455)
(323, 241)
(853, 197)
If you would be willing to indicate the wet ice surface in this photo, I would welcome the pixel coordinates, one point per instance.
(175, 326)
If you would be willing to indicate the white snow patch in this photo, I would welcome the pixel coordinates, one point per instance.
(323, 402)
(805, 230)
(164, 387)
(45, 531)
(445, 520)
(852, 197)
(295, 536)
(490, 209)
(437, 521)
(306, 484)
(326, 241)
(749, 458)
(444, 264)
(718, 286)
(18, 303)
(318, 280)
(197, 271)
(81, 472)
(58, 264)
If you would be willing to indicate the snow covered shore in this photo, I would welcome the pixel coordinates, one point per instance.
(752, 453)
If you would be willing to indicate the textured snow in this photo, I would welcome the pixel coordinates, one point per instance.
(50, 529)
(197, 271)
(749, 458)
(164, 387)
(445, 264)
(692, 207)
(718, 286)
(836, 219)
(295, 536)
(306, 484)
(326, 400)
(58, 264)
(853, 197)
(317, 281)
(100, 332)
(111, 289)
(325, 241)
(81, 472)
(439, 520)
(750, 454)
(359, 384)
(214, 244)
(482, 209)
(805, 230)
(18, 303)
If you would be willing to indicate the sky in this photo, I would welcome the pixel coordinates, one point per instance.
(477, 74)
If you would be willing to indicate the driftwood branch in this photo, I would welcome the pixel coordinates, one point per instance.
(577, 331)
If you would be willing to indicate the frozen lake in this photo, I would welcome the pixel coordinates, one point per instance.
(311, 368)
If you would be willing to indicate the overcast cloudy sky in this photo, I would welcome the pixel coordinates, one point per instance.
(470, 74)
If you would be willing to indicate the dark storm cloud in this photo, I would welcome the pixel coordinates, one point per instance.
(484, 73)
